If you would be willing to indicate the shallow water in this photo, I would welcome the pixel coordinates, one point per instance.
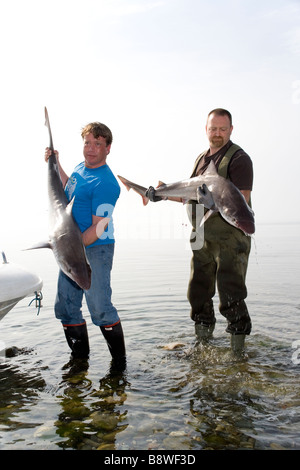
(191, 398)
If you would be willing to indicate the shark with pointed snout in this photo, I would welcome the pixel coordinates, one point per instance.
(65, 238)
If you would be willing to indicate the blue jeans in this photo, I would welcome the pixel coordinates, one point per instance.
(68, 302)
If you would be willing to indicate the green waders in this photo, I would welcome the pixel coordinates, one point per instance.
(221, 262)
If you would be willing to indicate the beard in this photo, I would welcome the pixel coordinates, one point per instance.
(217, 142)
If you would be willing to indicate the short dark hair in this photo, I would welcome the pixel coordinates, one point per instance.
(98, 130)
(221, 112)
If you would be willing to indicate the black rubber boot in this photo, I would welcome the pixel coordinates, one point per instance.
(238, 344)
(204, 332)
(115, 341)
(77, 339)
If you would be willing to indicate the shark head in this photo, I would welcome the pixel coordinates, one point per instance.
(247, 225)
(241, 217)
(229, 201)
(79, 272)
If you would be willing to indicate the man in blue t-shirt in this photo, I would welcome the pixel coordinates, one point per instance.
(95, 191)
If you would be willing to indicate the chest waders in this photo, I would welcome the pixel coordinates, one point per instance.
(221, 262)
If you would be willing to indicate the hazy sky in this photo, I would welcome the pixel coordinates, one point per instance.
(151, 70)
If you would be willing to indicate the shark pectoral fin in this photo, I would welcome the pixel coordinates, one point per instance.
(206, 216)
(145, 200)
(39, 245)
(204, 197)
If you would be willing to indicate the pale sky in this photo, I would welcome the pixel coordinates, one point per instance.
(151, 70)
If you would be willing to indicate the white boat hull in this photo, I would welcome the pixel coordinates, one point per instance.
(16, 283)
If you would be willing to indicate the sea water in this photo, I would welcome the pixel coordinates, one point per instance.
(192, 397)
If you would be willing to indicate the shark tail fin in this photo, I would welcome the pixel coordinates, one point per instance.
(137, 188)
(125, 182)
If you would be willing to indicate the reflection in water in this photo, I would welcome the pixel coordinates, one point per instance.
(19, 391)
(90, 419)
(244, 404)
(191, 398)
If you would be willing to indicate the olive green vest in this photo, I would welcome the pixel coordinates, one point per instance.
(223, 167)
(222, 171)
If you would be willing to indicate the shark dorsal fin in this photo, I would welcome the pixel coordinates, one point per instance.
(70, 206)
(211, 169)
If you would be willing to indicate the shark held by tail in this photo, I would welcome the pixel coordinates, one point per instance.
(220, 195)
(65, 238)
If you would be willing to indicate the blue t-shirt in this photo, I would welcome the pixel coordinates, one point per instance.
(96, 192)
